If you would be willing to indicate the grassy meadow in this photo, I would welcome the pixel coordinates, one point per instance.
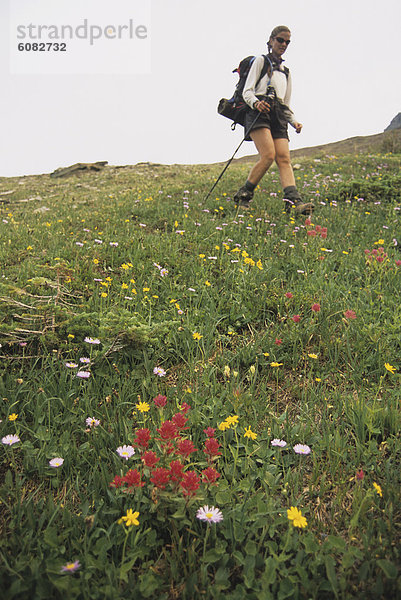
(199, 401)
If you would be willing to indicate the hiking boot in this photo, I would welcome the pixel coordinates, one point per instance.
(243, 197)
(298, 206)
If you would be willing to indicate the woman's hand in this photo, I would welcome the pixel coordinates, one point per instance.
(298, 127)
(262, 106)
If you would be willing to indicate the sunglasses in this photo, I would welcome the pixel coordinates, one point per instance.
(282, 40)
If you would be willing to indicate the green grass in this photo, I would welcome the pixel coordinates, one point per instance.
(85, 257)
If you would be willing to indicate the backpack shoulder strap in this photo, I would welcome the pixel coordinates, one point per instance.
(265, 68)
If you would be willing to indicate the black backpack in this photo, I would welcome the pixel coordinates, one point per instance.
(235, 108)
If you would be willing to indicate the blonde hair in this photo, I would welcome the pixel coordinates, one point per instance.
(275, 33)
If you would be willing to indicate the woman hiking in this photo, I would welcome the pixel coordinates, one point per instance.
(270, 131)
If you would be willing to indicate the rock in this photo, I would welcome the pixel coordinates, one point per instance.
(78, 168)
(395, 123)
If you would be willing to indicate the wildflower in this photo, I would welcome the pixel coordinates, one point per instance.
(133, 478)
(150, 459)
(160, 477)
(250, 434)
(209, 431)
(278, 341)
(190, 483)
(71, 365)
(185, 448)
(90, 340)
(159, 371)
(160, 401)
(279, 443)
(179, 419)
(210, 475)
(224, 425)
(276, 364)
(289, 295)
(390, 368)
(312, 356)
(184, 406)
(84, 360)
(83, 374)
(378, 489)
(212, 447)
(9, 440)
(92, 422)
(125, 451)
(117, 481)
(142, 406)
(130, 518)
(232, 420)
(315, 307)
(13, 417)
(168, 430)
(197, 336)
(142, 438)
(296, 318)
(56, 462)
(176, 470)
(210, 515)
(70, 567)
(302, 449)
(350, 314)
(359, 475)
(295, 515)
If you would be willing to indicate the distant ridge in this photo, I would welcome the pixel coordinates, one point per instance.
(388, 141)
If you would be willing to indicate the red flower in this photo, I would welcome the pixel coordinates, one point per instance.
(142, 438)
(296, 318)
(308, 221)
(185, 448)
(367, 251)
(160, 401)
(210, 475)
(316, 307)
(160, 477)
(133, 478)
(350, 314)
(398, 263)
(176, 470)
(117, 481)
(311, 233)
(360, 475)
(380, 259)
(185, 408)
(190, 483)
(323, 235)
(289, 295)
(150, 459)
(212, 447)
(209, 432)
(318, 228)
(180, 420)
(168, 430)
(374, 252)
(277, 341)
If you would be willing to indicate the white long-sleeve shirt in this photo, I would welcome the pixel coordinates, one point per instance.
(279, 81)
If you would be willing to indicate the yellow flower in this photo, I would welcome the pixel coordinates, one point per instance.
(29, 248)
(232, 420)
(103, 295)
(71, 336)
(379, 242)
(197, 336)
(250, 434)
(312, 355)
(202, 255)
(142, 406)
(227, 371)
(224, 425)
(259, 265)
(124, 286)
(13, 417)
(295, 515)
(208, 283)
(276, 364)
(266, 354)
(389, 368)
(95, 261)
(378, 489)
(146, 289)
(130, 518)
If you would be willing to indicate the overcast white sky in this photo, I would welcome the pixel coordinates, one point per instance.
(344, 57)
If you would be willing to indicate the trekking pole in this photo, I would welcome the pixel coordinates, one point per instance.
(232, 158)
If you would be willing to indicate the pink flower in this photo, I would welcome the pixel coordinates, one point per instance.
(315, 307)
(398, 263)
(277, 341)
(289, 295)
(350, 314)
(296, 318)
(308, 221)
